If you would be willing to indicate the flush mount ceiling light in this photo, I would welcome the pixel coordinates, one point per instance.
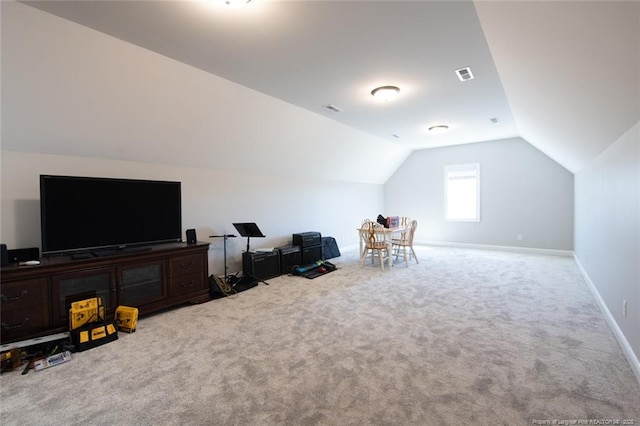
(385, 93)
(236, 2)
(226, 4)
(439, 129)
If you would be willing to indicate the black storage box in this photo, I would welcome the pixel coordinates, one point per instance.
(290, 257)
(261, 265)
(94, 334)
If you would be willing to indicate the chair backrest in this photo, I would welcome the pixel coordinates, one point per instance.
(405, 221)
(372, 234)
(412, 231)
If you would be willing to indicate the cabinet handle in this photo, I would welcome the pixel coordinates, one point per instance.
(186, 265)
(11, 299)
(191, 284)
(10, 327)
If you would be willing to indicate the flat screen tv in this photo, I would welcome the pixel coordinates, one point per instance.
(84, 214)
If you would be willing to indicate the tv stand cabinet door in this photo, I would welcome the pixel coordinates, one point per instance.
(82, 284)
(24, 305)
(187, 274)
(139, 284)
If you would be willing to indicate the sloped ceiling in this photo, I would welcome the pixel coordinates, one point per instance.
(564, 76)
(570, 71)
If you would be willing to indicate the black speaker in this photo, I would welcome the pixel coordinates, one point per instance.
(307, 239)
(23, 255)
(191, 236)
(261, 266)
(4, 256)
(311, 254)
(289, 257)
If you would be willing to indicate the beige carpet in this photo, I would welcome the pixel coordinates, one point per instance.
(465, 337)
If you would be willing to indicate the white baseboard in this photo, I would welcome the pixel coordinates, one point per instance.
(622, 340)
(351, 247)
(528, 250)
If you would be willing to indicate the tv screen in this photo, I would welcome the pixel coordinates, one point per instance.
(87, 213)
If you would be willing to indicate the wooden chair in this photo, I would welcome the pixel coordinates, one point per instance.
(405, 221)
(374, 242)
(401, 244)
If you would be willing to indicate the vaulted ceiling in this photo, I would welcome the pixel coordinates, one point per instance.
(564, 76)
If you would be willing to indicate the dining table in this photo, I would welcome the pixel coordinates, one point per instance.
(389, 234)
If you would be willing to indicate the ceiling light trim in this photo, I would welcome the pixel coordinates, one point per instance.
(385, 93)
(236, 2)
(439, 129)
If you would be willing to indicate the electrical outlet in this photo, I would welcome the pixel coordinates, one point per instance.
(519, 237)
(624, 307)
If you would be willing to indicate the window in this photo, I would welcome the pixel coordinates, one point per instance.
(462, 192)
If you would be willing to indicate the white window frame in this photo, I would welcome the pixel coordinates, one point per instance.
(472, 169)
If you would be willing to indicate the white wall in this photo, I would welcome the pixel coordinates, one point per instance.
(79, 102)
(211, 201)
(71, 90)
(607, 230)
(522, 192)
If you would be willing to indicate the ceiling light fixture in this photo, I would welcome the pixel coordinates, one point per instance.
(439, 129)
(236, 2)
(385, 93)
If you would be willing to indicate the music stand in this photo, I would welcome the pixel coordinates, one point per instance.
(224, 237)
(248, 229)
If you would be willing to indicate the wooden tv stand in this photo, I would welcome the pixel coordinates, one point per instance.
(33, 300)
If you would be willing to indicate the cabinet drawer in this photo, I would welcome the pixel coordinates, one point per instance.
(23, 322)
(186, 284)
(185, 265)
(22, 294)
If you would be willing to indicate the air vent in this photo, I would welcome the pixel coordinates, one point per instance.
(464, 74)
(332, 108)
